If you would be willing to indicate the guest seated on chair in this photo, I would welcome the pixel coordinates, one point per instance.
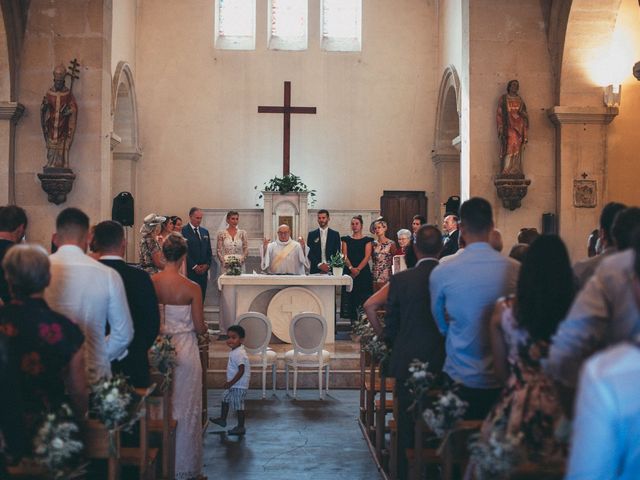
(284, 256)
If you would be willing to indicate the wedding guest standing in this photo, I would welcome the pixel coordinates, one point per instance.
(232, 241)
(199, 254)
(110, 245)
(323, 242)
(357, 251)
(13, 223)
(165, 229)
(181, 305)
(43, 346)
(151, 259)
(383, 251)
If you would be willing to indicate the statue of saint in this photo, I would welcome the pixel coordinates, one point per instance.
(513, 123)
(58, 116)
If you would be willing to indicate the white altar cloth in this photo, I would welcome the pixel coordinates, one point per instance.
(280, 297)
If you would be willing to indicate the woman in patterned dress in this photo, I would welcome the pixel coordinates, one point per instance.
(383, 251)
(232, 240)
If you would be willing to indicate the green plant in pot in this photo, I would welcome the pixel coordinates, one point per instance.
(286, 184)
(336, 262)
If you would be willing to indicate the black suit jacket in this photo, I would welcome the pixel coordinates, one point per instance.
(409, 324)
(143, 304)
(451, 246)
(315, 249)
(198, 251)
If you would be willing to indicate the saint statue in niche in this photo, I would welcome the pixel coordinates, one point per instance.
(513, 123)
(58, 116)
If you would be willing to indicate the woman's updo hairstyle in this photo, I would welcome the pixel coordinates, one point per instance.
(174, 247)
(359, 218)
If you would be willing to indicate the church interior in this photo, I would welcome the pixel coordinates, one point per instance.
(180, 104)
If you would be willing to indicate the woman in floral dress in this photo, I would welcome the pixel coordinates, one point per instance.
(232, 240)
(529, 411)
(383, 251)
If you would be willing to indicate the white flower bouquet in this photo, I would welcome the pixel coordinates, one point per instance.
(111, 401)
(498, 455)
(56, 446)
(369, 341)
(445, 413)
(232, 265)
(419, 382)
(163, 357)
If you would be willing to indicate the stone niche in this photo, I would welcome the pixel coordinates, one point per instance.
(288, 208)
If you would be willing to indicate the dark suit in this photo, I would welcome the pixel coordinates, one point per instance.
(451, 246)
(143, 304)
(411, 329)
(5, 245)
(315, 248)
(198, 253)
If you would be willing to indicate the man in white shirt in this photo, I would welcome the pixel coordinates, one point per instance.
(89, 293)
(284, 256)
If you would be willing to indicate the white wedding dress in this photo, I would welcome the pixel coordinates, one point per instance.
(187, 390)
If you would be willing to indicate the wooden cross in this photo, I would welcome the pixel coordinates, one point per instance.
(287, 110)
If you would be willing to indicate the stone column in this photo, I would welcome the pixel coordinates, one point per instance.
(581, 162)
(10, 113)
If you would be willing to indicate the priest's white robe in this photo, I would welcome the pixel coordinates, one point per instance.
(294, 263)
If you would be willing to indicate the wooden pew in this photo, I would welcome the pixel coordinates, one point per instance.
(454, 451)
(143, 457)
(162, 427)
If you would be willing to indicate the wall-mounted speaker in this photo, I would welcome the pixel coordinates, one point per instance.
(122, 209)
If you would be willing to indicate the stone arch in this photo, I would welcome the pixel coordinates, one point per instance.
(125, 144)
(446, 149)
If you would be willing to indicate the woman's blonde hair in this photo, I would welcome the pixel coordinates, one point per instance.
(174, 247)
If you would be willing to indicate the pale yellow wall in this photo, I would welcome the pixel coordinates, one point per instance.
(205, 144)
(508, 41)
(123, 46)
(57, 33)
(623, 141)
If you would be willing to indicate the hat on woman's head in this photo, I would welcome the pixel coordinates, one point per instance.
(153, 219)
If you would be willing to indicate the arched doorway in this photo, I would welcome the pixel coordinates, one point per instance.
(125, 146)
(446, 149)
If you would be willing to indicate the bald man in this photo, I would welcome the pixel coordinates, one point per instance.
(284, 256)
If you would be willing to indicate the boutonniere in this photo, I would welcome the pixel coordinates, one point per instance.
(316, 240)
(205, 237)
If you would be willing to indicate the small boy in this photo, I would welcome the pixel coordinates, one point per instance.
(238, 375)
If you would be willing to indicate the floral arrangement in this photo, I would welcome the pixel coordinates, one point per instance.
(419, 382)
(337, 260)
(287, 183)
(369, 341)
(111, 401)
(232, 265)
(445, 413)
(163, 357)
(56, 445)
(498, 455)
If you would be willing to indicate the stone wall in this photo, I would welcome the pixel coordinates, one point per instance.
(56, 33)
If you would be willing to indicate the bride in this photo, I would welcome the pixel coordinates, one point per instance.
(181, 307)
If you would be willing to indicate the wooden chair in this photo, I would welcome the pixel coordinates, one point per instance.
(142, 457)
(383, 406)
(102, 444)
(454, 451)
(162, 428)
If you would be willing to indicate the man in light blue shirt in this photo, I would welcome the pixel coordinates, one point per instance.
(463, 294)
(606, 428)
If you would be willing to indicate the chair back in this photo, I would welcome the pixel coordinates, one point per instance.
(308, 332)
(257, 328)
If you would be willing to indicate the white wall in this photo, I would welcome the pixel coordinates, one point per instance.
(205, 144)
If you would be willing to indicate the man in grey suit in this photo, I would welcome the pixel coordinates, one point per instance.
(411, 330)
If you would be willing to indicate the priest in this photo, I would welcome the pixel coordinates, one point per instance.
(284, 256)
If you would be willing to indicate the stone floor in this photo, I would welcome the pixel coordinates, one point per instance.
(303, 439)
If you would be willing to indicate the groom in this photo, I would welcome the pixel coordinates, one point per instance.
(198, 249)
(323, 243)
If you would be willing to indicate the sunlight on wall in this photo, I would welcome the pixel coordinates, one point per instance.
(611, 64)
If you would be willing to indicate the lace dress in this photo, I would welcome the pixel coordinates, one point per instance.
(382, 262)
(228, 245)
(187, 390)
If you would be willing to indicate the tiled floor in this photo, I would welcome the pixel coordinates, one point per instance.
(303, 439)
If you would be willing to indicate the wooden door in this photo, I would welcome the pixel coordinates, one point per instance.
(399, 207)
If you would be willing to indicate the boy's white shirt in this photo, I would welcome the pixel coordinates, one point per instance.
(237, 357)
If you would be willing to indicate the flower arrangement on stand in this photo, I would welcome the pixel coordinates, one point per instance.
(164, 358)
(498, 455)
(444, 413)
(232, 265)
(369, 341)
(419, 383)
(111, 402)
(285, 184)
(57, 447)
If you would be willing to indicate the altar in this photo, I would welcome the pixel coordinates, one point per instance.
(280, 298)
